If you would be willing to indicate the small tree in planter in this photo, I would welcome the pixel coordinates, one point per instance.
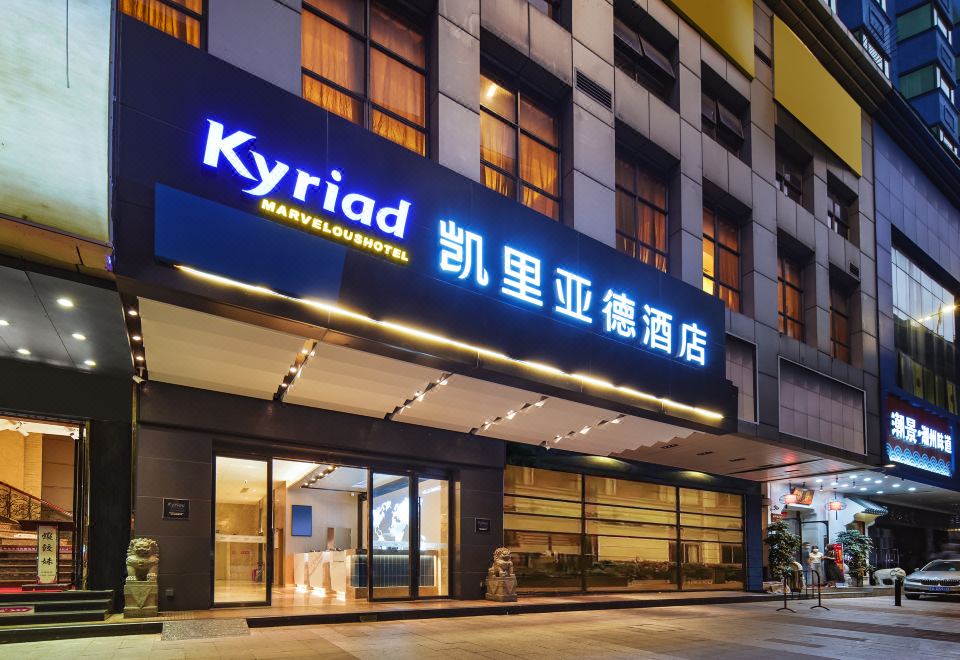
(857, 546)
(784, 545)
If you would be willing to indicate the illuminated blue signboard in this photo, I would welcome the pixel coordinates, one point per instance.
(918, 438)
(278, 193)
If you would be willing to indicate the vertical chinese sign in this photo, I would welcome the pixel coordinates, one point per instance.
(47, 543)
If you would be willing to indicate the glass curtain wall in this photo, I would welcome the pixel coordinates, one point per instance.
(571, 532)
(924, 315)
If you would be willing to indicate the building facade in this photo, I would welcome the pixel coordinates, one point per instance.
(602, 282)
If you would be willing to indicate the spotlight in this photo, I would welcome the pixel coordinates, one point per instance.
(132, 312)
(23, 351)
(79, 336)
(90, 363)
(65, 302)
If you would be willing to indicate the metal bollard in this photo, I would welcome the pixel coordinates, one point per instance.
(897, 591)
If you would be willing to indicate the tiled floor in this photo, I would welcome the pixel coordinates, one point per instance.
(868, 628)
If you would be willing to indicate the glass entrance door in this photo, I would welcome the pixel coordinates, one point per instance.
(392, 537)
(241, 525)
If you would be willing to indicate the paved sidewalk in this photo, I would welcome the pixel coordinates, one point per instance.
(869, 628)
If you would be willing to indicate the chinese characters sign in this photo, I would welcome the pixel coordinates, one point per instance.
(47, 543)
(918, 439)
(522, 277)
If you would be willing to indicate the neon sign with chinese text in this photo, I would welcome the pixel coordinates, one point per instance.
(918, 439)
(521, 278)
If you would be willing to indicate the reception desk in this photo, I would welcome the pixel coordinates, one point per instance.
(344, 573)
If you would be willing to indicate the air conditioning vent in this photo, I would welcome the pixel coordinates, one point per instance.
(855, 270)
(594, 90)
(704, 453)
(737, 460)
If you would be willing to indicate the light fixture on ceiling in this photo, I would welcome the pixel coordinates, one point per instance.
(136, 338)
(585, 430)
(420, 395)
(819, 481)
(66, 303)
(90, 363)
(293, 370)
(139, 358)
(912, 488)
(896, 485)
(4, 323)
(863, 487)
(890, 466)
(23, 351)
(79, 336)
(132, 312)
(879, 492)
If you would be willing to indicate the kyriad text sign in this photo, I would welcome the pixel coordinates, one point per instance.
(918, 438)
(460, 250)
(278, 193)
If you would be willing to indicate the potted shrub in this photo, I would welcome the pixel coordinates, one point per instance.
(784, 546)
(857, 547)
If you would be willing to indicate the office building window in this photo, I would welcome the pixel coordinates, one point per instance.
(947, 143)
(840, 323)
(721, 258)
(838, 214)
(920, 19)
(790, 296)
(926, 79)
(924, 314)
(721, 123)
(367, 64)
(790, 176)
(549, 7)
(519, 147)
(637, 57)
(881, 60)
(641, 214)
(182, 19)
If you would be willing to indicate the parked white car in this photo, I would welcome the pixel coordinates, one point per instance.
(939, 577)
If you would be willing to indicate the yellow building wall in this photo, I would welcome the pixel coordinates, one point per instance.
(727, 24)
(807, 91)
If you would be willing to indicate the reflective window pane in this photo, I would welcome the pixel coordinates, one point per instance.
(434, 503)
(240, 531)
(332, 53)
(606, 490)
(397, 36)
(545, 562)
(625, 564)
(333, 100)
(348, 12)
(498, 99)
(543, 483)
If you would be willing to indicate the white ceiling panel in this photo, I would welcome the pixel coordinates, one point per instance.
(465, 403)
(339, 378)
(185, 347)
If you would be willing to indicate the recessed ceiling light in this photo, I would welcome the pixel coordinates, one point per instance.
(23, 351)
(90, 363)
(65, 302)
(879, 492)
(863, 487)
(136, 338)
(834, 483)
(896, 485)
(283, 384)
(890, 465)
(139, 358)
(79, 336)
(819, 481)
(867, 479)
(293, 370)
(4, 323)
(133, 312)
(912, 488)
(844, 485)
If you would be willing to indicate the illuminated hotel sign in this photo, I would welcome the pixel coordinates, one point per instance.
(525, 278)
(265, 178)
(918, 439)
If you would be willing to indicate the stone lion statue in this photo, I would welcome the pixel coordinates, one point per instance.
(502, 564)
(143, 558)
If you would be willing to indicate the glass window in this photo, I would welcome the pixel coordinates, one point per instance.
(641, 214)
(790, 297)
(840, 323)
(721, 123)
(374, 77)
(621, 537)
(914, 22)
(941, 23)
(549, 7)
(519, 148)
(789, 177)
(721, 258)
(837, 214)
(881, 60)
(182, 19)
(434, 504)
(641, 60)
(241, 526)
(924, 314)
